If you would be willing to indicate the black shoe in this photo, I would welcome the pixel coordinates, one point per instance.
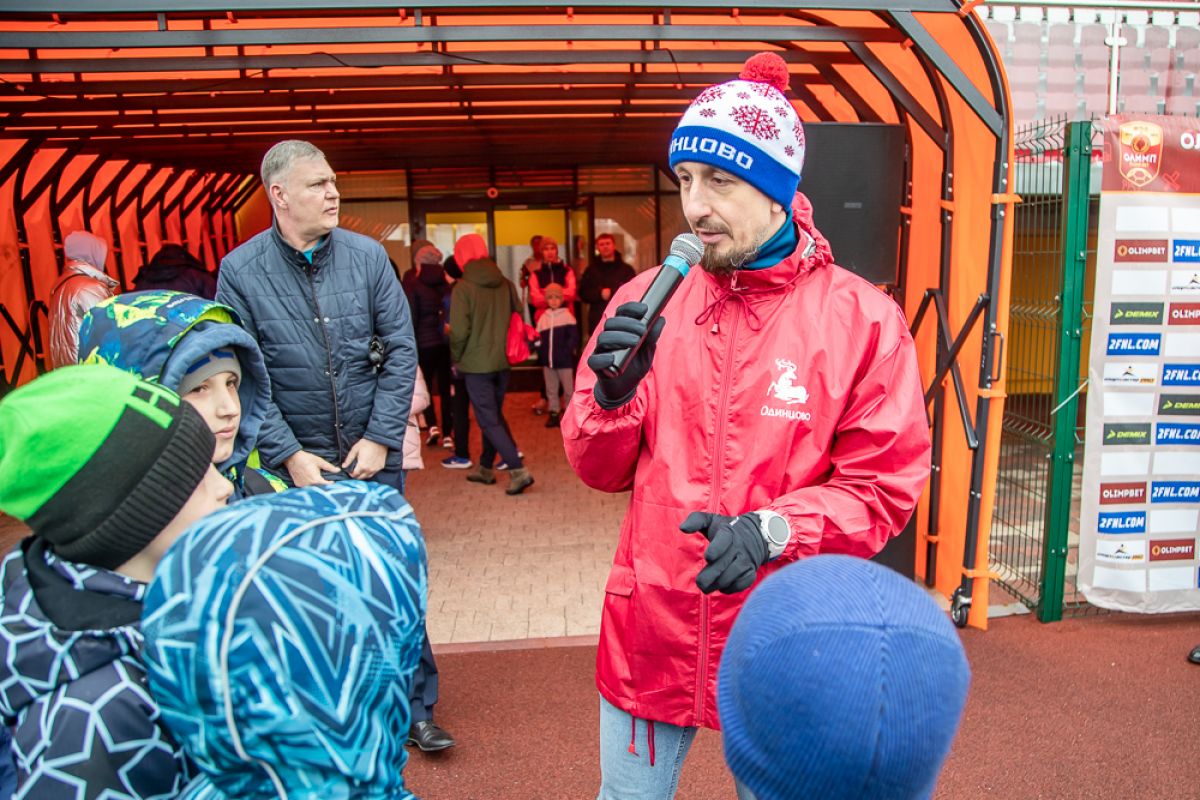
(429, 737)
(552, 422)
(1194, 656)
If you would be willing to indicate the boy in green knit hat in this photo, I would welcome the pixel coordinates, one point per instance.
(107, 470)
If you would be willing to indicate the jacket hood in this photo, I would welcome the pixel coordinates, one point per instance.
(483, 272)
(86, 247)
(281, 639)
(38, 655)
(802, 215)
(169, 263)
(158, 334)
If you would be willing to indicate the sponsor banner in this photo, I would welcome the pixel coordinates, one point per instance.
(1151, 155)
(1117, 433)
(1125, 374)
(1131, 283)
(1181, 375)
(1146, 250)
(1141, 466)
(1180, 314)
(1175, 492)
(1179, 404)
(1121, 522)
(1122, 493)
(1185, 281)
(1174, 520)
(1172, 579)
(1185, 251)
(1124, 463)
(1134, 344)
(1172, 549)
(1170, 462)
(1121, 552)
(1177, 433)
(1138, 313)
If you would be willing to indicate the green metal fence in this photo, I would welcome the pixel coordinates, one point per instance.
(1035, 527)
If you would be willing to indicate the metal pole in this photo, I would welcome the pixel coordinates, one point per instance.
(1074, 226)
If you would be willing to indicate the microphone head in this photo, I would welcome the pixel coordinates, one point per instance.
(688, 247)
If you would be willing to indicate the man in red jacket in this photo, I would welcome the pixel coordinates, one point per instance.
(775, 409)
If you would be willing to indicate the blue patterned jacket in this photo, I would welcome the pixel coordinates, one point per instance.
(281, 639)
(71, 681)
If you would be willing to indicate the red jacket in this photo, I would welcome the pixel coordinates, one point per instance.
(793, 388)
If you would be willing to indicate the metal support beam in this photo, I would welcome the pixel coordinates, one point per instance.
(249, 8)
(313, 61)
(292, 37)
(912, 106)
(953, 74)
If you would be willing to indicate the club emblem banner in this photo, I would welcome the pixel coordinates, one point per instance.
(1140, 510)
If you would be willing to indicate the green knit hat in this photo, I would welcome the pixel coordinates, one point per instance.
(97, 461)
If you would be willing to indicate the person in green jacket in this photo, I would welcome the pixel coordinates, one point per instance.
(480, 310)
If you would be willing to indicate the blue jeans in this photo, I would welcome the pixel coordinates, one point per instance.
(630, 776)
(487, 390)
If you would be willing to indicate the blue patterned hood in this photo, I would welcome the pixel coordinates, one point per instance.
(281, 639)
(158, 334)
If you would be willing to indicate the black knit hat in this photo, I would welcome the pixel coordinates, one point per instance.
(97, 462)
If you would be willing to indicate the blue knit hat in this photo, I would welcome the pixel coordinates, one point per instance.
(841, 680)
(748, 128)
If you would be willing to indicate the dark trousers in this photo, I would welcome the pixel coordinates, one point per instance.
(424, 692)
(487, 391)
(461, 415)
(435, 365)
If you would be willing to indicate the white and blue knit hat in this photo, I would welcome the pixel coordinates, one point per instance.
(747, 127)
(841, 680)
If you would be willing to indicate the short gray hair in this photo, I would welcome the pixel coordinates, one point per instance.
(280, 158)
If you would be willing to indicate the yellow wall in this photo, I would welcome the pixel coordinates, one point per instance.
(515, 227)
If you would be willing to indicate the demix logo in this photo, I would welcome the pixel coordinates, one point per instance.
(1141, 151)
(785, 389)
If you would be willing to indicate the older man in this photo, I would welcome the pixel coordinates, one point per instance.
(334, 328)
(775, 408)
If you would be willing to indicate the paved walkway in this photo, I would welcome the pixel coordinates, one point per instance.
(509, 568)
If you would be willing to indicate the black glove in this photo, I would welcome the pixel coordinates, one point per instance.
(620, 332)
(736, 550)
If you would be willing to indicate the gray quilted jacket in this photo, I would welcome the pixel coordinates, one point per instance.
(314, 323)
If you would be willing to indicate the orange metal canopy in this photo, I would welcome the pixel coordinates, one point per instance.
(147, 119)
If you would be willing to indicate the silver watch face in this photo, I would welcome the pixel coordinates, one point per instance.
(777, 530)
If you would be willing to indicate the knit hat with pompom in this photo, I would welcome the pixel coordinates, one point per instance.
(747, 127)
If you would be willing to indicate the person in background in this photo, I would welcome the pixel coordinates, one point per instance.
(767, 341)
(107, 470)
(558, 341)
(427, 300)
(197, 348)
(842, 680)
(551, 270)
(607, 273)
(174, 268)
(83, 283)
(281, 639)
(460, 402)
(334, 328)
(482, 305)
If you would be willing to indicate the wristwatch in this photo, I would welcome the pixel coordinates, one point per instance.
(775, 531)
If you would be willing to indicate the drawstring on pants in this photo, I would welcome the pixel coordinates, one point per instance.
(649, 737)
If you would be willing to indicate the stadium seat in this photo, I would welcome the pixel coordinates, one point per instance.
(1139, 104)
(1057, 103)
(1093, 34)
(1181, 104)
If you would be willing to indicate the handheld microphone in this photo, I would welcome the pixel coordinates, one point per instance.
(686, 251)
